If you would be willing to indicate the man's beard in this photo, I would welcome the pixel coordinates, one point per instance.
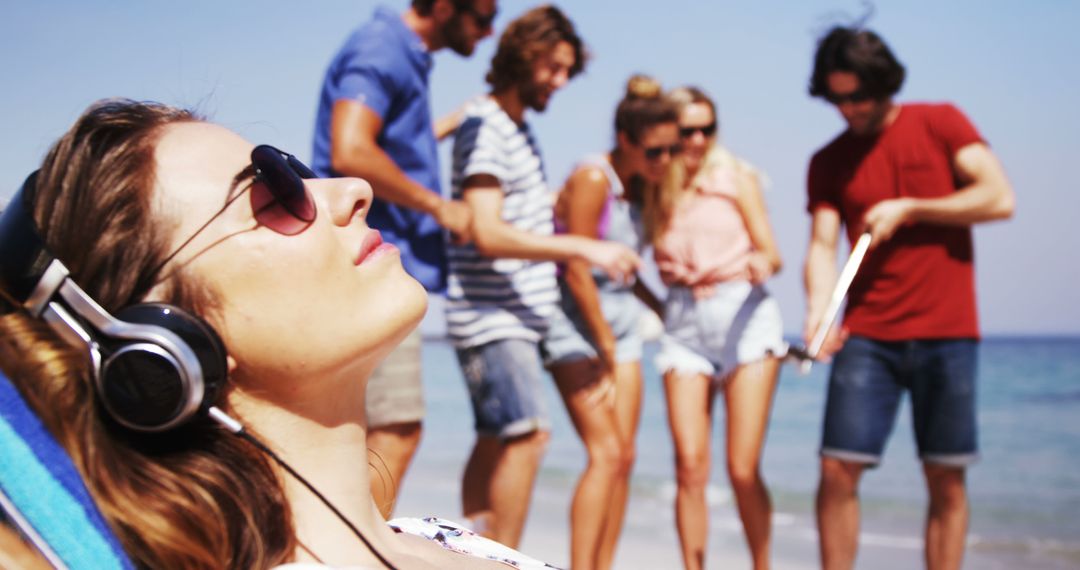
(454, 33)
(534, 97)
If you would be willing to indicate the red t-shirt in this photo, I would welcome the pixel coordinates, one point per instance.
(920, 283)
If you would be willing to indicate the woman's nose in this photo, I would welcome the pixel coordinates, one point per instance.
(346, 198)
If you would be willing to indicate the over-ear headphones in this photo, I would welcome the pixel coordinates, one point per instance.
(154, 366)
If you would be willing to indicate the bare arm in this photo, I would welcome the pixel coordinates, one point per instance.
(354, 129)
(447, 124)
(496, 238)
(765, 261)
(819, 274)
(985, 195)
(582, 202)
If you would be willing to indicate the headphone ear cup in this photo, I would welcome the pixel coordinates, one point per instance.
(143, 383)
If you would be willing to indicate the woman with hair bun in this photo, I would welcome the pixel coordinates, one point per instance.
(714, 249)
(595, 354)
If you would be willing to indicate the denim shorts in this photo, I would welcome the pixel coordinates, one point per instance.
(568, 338)
(867, 381)
(738, 324)
(505, 381)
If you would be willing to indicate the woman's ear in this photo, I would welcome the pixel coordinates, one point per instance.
(230, 364)
(623, 140)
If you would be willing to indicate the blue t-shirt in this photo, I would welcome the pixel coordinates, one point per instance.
(385, 66)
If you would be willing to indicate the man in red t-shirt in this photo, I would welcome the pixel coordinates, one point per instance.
(916, 176)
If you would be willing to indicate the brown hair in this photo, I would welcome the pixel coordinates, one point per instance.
(532, 34)
(193, 498)
(643, 106)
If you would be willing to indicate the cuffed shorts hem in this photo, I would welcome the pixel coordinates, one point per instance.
(851, 456)
(517, 429)
(950, 460)
(505, 382)
(395, 390)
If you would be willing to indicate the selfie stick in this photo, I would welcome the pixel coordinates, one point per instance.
(847, 275)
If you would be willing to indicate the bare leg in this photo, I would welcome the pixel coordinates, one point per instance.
(689, 400)
(393, 447)
(946, 517)
(475, 497)
(838, 512)
(628, 386)
(749, 396)
(511, 484)
(591, 407)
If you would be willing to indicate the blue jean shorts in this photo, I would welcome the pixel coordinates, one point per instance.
(505, 381)
(739, 324)
(867, 381)
(568, 339)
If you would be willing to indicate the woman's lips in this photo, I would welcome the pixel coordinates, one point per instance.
(373, 247)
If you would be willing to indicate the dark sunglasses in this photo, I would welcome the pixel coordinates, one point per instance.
(853, 97)
(655, 152)
(706, 130)
(483, 21)
(279, 199)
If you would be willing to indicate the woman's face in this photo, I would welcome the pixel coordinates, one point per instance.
(328, 300)
(655, 149)
(698, 122)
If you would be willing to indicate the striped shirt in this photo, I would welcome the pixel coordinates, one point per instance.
(491, 299)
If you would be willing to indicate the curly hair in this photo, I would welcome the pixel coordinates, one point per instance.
(531, 35)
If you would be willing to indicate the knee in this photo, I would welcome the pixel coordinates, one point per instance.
(947, 488)
(692, 469)
(611, 455)
(839, 477)
(743, 474)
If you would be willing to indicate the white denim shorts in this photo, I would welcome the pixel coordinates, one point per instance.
(739, 324)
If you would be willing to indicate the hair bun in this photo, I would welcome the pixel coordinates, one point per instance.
(642, 87)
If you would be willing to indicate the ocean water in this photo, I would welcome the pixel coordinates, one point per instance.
(1024, 493)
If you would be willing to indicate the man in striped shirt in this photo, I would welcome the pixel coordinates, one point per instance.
(502, 291)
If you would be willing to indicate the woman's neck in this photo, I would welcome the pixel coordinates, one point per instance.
(626, 174)
(324, 440)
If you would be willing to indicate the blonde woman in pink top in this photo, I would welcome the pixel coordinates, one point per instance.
(722, 331)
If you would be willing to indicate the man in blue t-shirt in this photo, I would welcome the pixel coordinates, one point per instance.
(374, 122)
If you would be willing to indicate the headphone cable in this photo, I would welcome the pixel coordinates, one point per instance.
(237, 428)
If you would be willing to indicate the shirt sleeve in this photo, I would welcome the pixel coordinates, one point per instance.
(952, 127)
(478, 148)
(367, 76)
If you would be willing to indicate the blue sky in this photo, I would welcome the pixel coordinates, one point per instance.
(256, 66)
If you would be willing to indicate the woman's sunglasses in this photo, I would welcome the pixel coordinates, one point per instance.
(655, 152)
(279, 199)
(706, 130)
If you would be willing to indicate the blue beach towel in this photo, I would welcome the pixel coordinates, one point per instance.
(44, 496)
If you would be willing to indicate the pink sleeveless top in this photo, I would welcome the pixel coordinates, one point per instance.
(707, 241)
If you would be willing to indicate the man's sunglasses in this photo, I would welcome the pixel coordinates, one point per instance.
(655, 152)
(483, 21)
(705, 130)
(853, 97)
(279, 199)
